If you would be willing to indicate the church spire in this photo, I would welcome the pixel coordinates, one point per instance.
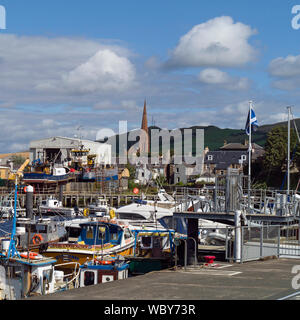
(145, 144)
(144, 120)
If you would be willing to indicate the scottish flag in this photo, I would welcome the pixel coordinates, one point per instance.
(253, 121)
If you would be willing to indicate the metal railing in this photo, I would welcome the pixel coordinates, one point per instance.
(262, 241)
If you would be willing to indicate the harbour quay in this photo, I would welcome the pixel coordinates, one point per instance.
(271, 279)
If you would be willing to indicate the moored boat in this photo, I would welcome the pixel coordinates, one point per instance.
(97, 239)
(102, 271)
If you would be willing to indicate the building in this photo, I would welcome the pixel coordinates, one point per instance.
(60, 150)
(257, 151)
(142, 174)
(6, 158)
(218, 162)
(231, 155)
(4, 172)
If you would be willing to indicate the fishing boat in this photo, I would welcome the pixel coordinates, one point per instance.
(54, 176)
(22, 276)
(24, 273)
(7, 207)
(103, 270)
(100, 207)
(97, 239)
(38, 234)
(51, 207)
(153, 250)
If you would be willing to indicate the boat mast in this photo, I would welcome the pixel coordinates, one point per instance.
(289, 151)
(249, 155)
(12, 251)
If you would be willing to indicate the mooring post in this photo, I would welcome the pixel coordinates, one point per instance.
(192, 233)
(29, 202)
(238, 238)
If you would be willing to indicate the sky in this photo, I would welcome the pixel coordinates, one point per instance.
(76, 68)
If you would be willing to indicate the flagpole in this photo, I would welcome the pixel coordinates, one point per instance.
(249, 155)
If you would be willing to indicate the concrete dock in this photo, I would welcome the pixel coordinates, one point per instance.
(259, 280)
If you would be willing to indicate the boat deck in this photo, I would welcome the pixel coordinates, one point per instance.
(259, 280)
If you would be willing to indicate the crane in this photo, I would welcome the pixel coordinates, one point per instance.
(19, 172)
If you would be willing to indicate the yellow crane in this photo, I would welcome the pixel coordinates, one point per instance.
(19, 173)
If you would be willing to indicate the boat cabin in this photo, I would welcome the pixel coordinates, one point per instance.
(21, 278)
(96, 273)
(51, 203)
(100, 233)
(42, 231)
(52, 206)
(7, 209)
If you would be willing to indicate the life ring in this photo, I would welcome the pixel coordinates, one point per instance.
(37, 238)
(86, 212)
(32, 255)
(104, 262)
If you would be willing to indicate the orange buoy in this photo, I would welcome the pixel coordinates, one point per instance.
(37, 238)
(104, 262)
(32, 255)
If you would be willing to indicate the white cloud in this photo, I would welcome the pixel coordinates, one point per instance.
(218, 42)
(285, 67)
(212, 76)
(106, 71)
(48, 69)
(286, 73)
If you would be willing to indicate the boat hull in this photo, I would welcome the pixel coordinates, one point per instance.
(63, 255)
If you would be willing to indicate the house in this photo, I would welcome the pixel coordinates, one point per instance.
(183, 173)
(142, 174)
(218, 162)
(231, 155)
(257, 150)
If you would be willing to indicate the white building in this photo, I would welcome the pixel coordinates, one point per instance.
(59, 150)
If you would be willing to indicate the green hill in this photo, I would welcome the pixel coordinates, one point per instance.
(215, 137)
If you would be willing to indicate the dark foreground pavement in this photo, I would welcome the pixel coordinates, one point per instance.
(259, 280)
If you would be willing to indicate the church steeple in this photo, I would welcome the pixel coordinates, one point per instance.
(144, 120)
(145, 145)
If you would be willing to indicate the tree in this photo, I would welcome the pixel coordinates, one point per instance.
(276, 149)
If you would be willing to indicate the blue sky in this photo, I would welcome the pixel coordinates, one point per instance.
(92, 63)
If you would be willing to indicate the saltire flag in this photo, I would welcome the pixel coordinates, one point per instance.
(254, 123)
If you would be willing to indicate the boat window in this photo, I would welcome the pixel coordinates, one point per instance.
(55, 203)
(47, 275)
(44, 203)
(101, 233)
(15, 272)
(89, 233)
(33, 228)
(127, 234)
(42, 229)
(89, 278)
(114, 236)
(146, 242)
(131, 216)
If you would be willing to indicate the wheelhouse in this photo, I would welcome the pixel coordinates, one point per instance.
(97, 233)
